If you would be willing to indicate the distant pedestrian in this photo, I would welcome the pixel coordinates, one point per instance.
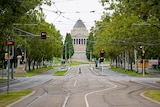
(79, 70)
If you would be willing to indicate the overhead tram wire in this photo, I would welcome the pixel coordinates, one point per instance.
(60, 13)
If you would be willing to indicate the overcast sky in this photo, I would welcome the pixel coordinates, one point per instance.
(64, 13)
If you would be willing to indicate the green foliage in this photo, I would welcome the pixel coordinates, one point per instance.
(13, 10)
(15, 14)
(89, 47)
(38, 49)
(133, 23)
(68, 49)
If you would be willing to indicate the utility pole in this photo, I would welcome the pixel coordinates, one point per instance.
(135, 57)
(66, 51)
(69, 56)
(143, 59)
(125, 59)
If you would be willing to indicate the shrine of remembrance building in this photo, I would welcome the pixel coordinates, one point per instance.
(79, 35)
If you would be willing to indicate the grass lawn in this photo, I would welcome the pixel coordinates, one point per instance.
(9, 98)
(132, 73)
(153, 94)
(74, 63)
(3, 80)
(60, 73)
(34, 72)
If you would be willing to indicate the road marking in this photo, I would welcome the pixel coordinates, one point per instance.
(86, 101)
(75, 83)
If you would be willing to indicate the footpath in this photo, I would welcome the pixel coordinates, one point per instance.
(103, 70)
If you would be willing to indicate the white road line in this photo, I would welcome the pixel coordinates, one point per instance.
(75, 83)
(86, 101)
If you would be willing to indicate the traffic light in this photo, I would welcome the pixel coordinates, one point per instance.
(9, 42)
(143, 55)
(43, 35)
(101, 59)
(6, 56)
(101, 55)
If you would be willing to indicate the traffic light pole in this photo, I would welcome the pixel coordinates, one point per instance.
(102, 58)
(8, 68)
(10, 45)
(143, 60)
(143, 67)
(102, 67)
(12, 71)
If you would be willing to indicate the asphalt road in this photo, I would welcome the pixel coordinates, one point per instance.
(87, 88)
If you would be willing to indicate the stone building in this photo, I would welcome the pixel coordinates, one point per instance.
(79, 35)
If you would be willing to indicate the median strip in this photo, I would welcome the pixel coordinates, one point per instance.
(60, 73)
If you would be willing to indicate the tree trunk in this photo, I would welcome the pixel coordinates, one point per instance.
(33, 65)
(29, 65)
(116, 62)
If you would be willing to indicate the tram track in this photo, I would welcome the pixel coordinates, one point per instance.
(86, 89)
(131, 93)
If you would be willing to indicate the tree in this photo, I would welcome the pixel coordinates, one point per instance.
(132, 24)
(89, 47)
(68, 49)
(39, 50)
(11, 12)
